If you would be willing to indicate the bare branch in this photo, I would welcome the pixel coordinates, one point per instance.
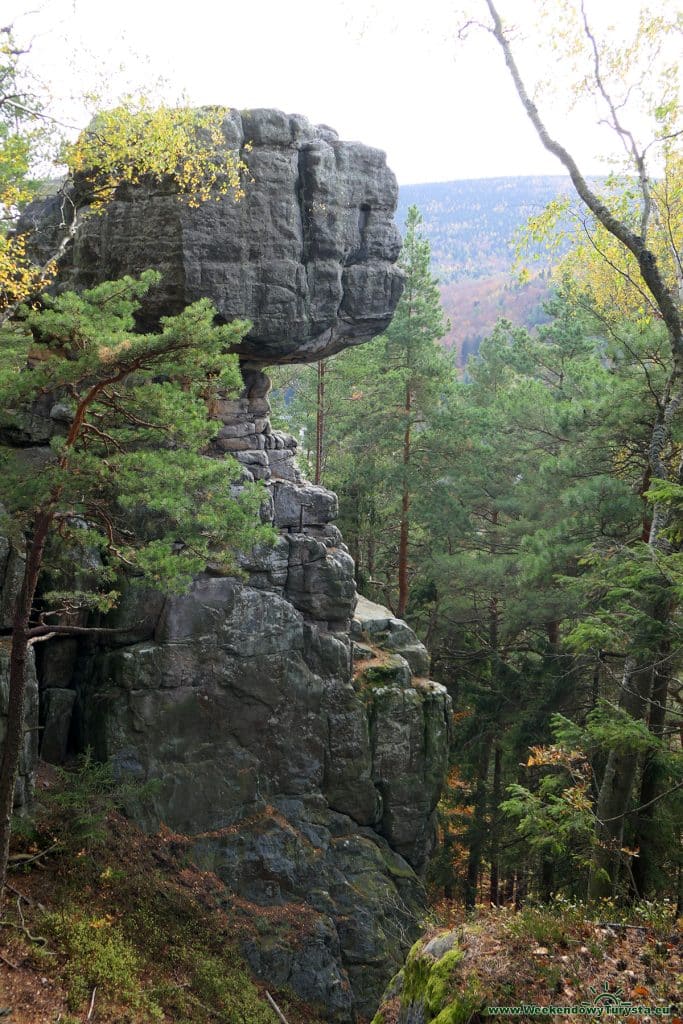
(635, 810)
(626, 136)
(277, 1009)
(46, 271)
(37, 113)
(43, 631)
(646, 258)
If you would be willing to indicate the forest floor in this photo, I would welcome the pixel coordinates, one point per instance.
(594, 962)
(126, 930)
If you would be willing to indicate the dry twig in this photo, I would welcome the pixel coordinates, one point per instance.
(276, 1008)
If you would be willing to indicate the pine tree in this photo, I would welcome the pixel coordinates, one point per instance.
(138, 427)
(544, 454)
(376, 405)
(412, 355)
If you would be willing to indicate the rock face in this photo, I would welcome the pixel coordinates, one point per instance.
(290, 729)
(308, 255)
(300, 749)
(301, 780)
(434, 985)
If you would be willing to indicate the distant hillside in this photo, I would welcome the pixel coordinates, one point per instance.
(471, 227)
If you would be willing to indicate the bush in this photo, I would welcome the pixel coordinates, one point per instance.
(99, 956)
(85, 794)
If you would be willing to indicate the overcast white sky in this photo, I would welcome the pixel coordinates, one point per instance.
(390, 73)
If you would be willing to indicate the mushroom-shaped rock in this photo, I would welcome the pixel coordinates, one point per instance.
(307, 255)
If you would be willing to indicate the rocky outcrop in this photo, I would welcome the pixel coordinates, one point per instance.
(289, 727)
(308, 255)
(433, 985)
(300, 780)
(295, 740)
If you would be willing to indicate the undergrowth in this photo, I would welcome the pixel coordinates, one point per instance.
(122, 924)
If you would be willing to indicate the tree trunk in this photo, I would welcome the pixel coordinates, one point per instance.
(595, 683)
(521, 888)
(547, 879)
(647, 520)
(653, 777)
(478, 827)
(14, 734)
(403, 584)
(447, 848)
(552, 628)
(320, 422)
(617, 785)
(665, 297)
(494, 895)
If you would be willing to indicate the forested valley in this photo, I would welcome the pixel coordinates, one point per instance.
(477, 233)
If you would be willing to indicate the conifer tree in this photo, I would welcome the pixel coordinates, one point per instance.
(412, 355)
(544, 454)
(133, 450)
(634, 233)
(376, 404)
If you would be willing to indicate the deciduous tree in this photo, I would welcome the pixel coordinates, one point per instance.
(134, 139)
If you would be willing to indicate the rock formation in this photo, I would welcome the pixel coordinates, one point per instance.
(301, 780)
(434, 985)
(308, 255)
(294, 734)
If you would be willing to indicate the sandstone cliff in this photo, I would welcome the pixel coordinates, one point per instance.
(301, 747)
(308, 255)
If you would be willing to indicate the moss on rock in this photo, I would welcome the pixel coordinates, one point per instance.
(433, 989)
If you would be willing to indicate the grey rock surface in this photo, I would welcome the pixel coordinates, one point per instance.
(56, 709)
(303, 780)
(308, 256)
(379, 624)
(433, 984)
(409, 720)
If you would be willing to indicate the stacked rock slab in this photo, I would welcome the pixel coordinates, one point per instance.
(308, 255)
(302, 771)
(300, 783)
